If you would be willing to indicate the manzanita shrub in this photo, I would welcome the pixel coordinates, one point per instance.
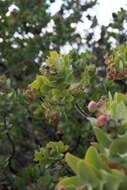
(54, 118)
(66, 84)
(105, 164)
(77, 96)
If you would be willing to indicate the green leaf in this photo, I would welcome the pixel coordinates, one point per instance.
(102, 137)
(98, 147)
(112, 181)
(87, 173)
(53, 57)
(35, 85)
(92, 157)
(119, 110)
(120, 97)
(110, 97)
(121, 65)
(68, 182)
(118, 146)
(72, 162)
(92, 120)
(46, 179)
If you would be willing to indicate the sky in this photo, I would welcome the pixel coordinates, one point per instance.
(103, 10)
(106, 7)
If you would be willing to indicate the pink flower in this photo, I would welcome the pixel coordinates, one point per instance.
(61, 188)
(102, 120)
(92, 106)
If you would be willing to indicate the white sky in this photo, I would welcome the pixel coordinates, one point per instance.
(106, 7)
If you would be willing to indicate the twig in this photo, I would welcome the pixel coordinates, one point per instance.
(13, 148)
(81, 111)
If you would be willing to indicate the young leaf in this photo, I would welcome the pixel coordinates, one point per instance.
(87, 173)
(68, 182)
(92, 157)
(72, 162)
(119, 146)
(102, 137)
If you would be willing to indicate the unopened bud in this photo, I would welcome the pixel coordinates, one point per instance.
(61, 188)
(102, 120)
(92, 106)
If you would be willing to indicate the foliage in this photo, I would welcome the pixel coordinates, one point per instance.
(117, 28)
(60, 101)
(64, 100)
(48, 160)
(26, 38)
(104, 165)
(65, 89)
(16, 132)
(52, 152)
(116, 64)
(51, 116)
(25, 41)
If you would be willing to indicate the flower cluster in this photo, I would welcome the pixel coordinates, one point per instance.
(112, 71)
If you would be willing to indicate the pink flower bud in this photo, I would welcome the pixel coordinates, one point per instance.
(125, 70)
(103, 97)
(113, 65)
(92, 106)
(61, 188)
(102, 120)
(99, 104)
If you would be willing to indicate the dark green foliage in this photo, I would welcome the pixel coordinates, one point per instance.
(25, 41)
(24, 44)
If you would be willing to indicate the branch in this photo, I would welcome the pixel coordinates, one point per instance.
(81, 111)
(13, 148)
(88, 5)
